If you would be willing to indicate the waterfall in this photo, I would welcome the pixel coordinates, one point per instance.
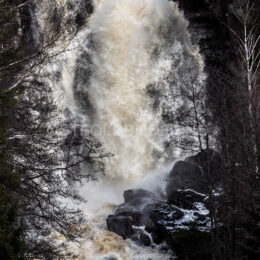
(126, 81)
(135, 56)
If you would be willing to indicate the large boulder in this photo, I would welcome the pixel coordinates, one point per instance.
(121, 225)
(200, 173)
(133, 213)
(147, 220)
(186, 175)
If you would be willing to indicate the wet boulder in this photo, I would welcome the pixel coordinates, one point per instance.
(186, 175)
(199, 173)
(121, 225)
(132, 213)
(209, 162)
(135, 211)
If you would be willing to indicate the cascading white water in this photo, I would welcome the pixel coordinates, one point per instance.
(135, 56)
(122, 69)
(134, 46)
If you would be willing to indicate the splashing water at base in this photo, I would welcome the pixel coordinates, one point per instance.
(100, 244)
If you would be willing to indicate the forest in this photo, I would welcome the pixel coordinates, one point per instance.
(157, 100)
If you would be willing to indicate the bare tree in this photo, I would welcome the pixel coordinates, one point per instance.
(247, 40)
(239, 137)
(43, 149)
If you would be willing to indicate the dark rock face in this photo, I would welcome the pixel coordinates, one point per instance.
(200, 173)
(148, 219)
(209, 21)
(81, 9)
(31, 35)
(186, 175)
(213, 166)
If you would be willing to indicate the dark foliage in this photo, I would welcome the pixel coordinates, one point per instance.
(41, 151)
